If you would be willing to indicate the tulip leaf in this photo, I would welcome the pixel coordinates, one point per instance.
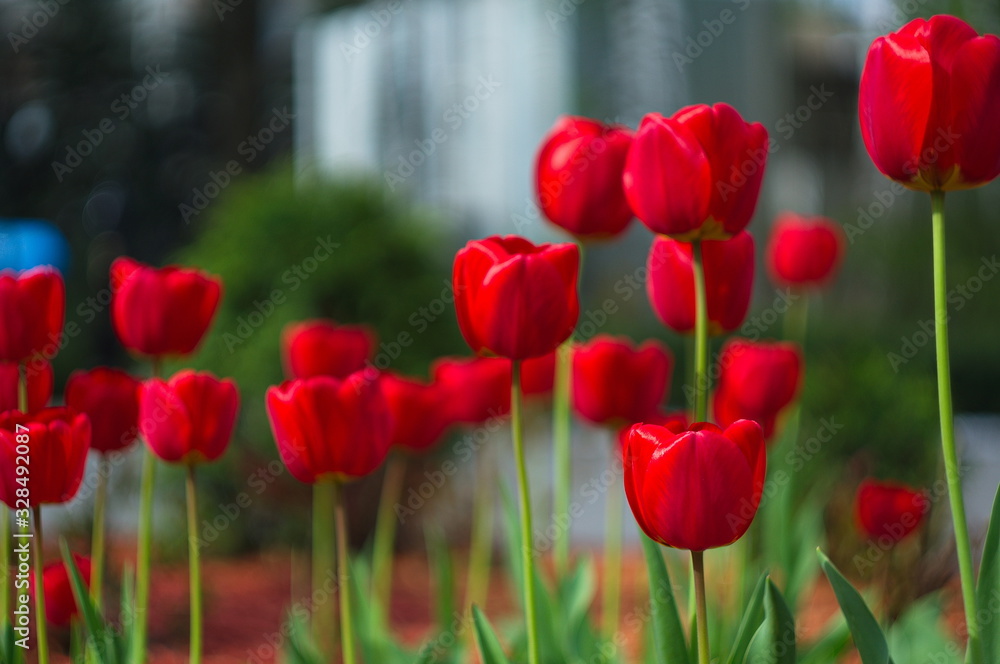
(490, 650)
(868, 636)
(668, 632)
(99, 634)
(8, 651)
(988, 587)
(774, 642)
(752, 617)
(300, 648)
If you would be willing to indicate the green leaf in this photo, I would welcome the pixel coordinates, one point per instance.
(668, 633)
(988, 588)
(442, 577)
(99, 634)
(868, 636)
(490, 650)
(774, 642)
(752, 617)
(300, 648)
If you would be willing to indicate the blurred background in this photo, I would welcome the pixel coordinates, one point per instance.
(238, 135)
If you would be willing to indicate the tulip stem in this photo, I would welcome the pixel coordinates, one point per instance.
(343, 573)
(698, 568)
(700, 336)
(97, 539)
(527, 556)
(144, 554)
(962, 546)
(561, 431)
(385, 537)
(611, 603)
(323, 563)
(194, 568)
(481, 548)
(40, 619)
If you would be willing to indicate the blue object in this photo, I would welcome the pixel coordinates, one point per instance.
(26, 243)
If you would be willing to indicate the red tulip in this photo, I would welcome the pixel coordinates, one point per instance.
(478, 387)
(696, 175)
(419, 412)
(515, 299)
(756, 382)
(324, 348)
(578, 177)
(696, 489)
(728, 267)
(887, 509)
(188, 419)
(326, 427)
(804, 251)
(929, 102)
(538, 375)
(615, 383)
(40, 380)
(57, 441)
(162, 311)
(110, 398)
(60, 604)
(32, 306)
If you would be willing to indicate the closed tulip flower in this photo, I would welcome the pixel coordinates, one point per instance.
(330, 428)
(418, 410)
(188, 419)
(58, 440)
(889, 510)
(729, 267)
(162, 311)
(696, 489)
(515, 299)
(32, 307)
(804, 251)
(578, 177)
(40, 380)
(696, 175)
(324, 348)
(110, 398)
(478, 388)
(756, 382)
(928, 102)
(60, 604)
(617, 383)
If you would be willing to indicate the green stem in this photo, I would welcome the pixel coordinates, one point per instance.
(611, 602)
(527, 556)
(143, 569)
(343, 573)
(698, 567)
(97, 538)
(561, 431)
(43, 638)
(700, 336)
(194, 568)
(385, 537)
(481, 549)
(962, 546)
(323, 562)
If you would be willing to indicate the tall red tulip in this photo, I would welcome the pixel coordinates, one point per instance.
(697, 489)
(188, 419)
(515, 299)
(889, 510)
(756, 382)
(928, 103)
(617, 383)
(324, 348)
(162, 311)
(58, 440)
(804, 251)
(578, 177)
(110, 398)
(419, 412)
(40, 380)
(478, 388)
(729, 266)
(32, 308)
(60, 604)
(326, 427)
(696, 175)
